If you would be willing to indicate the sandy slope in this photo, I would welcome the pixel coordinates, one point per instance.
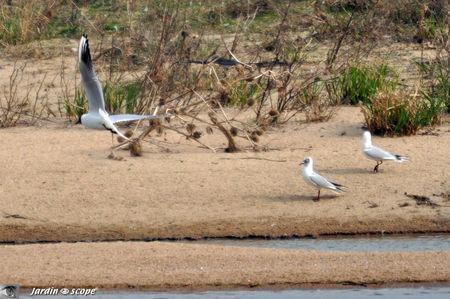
(58, 185)
(170, 265)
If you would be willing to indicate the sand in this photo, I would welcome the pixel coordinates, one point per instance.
(160, 265)
(57, 184)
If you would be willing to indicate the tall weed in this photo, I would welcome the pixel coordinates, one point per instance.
(360, 84)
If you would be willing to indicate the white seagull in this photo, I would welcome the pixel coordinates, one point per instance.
(316, 180)
(97, 117)
(378, 154)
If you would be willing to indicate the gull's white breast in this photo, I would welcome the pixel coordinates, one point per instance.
(307, 177)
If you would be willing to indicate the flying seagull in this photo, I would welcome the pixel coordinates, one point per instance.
(316, 180)
(378, 154)
(97, 117)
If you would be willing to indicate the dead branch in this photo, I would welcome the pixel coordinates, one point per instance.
(232, 147)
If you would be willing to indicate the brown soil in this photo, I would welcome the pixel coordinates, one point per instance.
(167, 265)
(58, 185)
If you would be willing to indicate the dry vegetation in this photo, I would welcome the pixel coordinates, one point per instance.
(20, 102)
(197, 60)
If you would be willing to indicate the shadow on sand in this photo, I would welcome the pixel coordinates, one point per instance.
(350, 171)
(298, 197)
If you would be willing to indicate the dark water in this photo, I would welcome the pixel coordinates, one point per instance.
(394, 293)
(358, 243)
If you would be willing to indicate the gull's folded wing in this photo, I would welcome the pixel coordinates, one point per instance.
(322, 182)
(89, 79)
(379, 154)
(120, 118)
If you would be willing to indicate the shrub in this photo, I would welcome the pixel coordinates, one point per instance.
(396, 113)
(360, 84)
(317, 106)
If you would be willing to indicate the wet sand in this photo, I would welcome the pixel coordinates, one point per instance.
(161, 265)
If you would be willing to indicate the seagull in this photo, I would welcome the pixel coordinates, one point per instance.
(97, 117)
(316, 180)
(378, 154)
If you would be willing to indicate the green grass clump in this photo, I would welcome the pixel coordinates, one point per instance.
(391, 112)
(118, 99)
(440, 90)
(18, 23)
(112, 26)
(121, 98)
(360, 84)
(242, 93)
(395, 113)
(10, 31)
(77, 106)
(437, 76)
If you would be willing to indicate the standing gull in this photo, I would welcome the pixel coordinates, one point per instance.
(97, 117)
(316, 180)
(378, 154)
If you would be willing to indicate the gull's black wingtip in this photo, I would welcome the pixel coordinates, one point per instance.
(85, 53)
(339, 186)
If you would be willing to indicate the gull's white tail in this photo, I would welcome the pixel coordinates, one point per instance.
(109, 125)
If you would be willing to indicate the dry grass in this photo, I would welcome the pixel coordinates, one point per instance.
(22, 103)
(397, 113)
(23, 21)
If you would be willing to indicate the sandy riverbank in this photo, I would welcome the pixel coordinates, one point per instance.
(161, 265)
(56, 184)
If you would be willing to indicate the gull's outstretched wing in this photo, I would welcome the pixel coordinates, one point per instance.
(109, 125)
(322, 182)
(89, 79)
(379, 154)
(119, 118)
